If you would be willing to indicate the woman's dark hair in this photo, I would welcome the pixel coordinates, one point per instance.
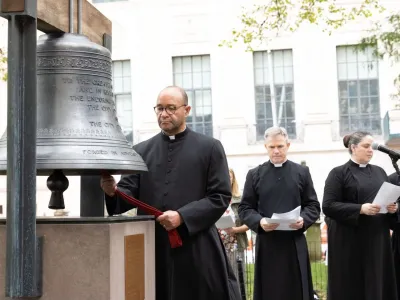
(354, 139)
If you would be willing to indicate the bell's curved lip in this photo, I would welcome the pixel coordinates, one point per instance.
(82, 170)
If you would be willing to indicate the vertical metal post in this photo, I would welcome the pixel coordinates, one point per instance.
(21, 256)
(242, 286)
(92, 196)
(71, 16)
(80, 16)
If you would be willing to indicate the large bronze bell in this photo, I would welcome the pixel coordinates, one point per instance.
(77, 129)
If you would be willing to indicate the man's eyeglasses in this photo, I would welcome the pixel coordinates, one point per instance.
(170, 109)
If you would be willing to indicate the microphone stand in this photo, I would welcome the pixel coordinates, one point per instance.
(394, 162)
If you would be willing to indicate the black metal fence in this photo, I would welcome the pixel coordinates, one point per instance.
(245, 271)
(319, 268)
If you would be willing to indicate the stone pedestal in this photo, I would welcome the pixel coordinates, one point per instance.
(94, 258)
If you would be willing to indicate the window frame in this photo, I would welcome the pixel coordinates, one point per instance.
(204, 126)
(372, 120)
(124, 93)
(270, 101)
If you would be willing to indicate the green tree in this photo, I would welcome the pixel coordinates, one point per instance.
(3, 56)
(3, 65)
(261, 23)
(386, 34)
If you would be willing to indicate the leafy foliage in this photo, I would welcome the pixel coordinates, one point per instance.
(3, 57)
(386, 35)
(3, 66)
(263, 22)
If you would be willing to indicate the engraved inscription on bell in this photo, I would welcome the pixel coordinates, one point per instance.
(83, 95)
(77, 127)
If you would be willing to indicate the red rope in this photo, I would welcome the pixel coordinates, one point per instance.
(173, 235)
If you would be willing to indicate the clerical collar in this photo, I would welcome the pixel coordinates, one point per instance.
(278, 165)
(176, 136)
(359, 165)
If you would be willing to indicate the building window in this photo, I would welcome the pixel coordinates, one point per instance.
(273, 74)
(193, 73)
(123, 96)
(358, 83)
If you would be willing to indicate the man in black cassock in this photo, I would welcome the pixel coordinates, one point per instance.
(395, 179)
(282, 265)
(188, 179)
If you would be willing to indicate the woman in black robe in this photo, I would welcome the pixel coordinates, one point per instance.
(360, 258)
(395, 179)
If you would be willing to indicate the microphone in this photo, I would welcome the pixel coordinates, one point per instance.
(384, 149)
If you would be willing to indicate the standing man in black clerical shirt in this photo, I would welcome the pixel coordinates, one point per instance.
(188, 179)
(282, 266)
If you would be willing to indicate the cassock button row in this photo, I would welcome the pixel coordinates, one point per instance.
(170, 149)
(166, 182)
(169, 171)
(169, 159)
(166, 193)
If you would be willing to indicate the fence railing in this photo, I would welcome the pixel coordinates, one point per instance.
(319, 268)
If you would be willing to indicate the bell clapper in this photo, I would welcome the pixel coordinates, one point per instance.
(57, 183)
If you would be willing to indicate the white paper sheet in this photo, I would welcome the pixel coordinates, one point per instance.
(227, 220)
(387, 194)
(283, 224)
(293, 214)
(285, 219)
